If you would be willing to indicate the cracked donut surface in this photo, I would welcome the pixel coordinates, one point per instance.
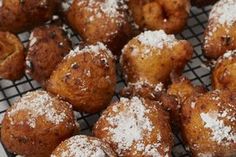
(11, 57)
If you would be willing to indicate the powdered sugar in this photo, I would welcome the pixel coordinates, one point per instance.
(82, 146)
(229, 55)
(96, 49)
(221, 133)
(38, 103)
(157, 39)
(224, 12)
(130, 125)
(139, 84)
(111, 8)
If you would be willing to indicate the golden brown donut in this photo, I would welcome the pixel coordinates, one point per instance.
(209, 124)
(202, 3)
(86, 78)
(135, 128)
(170, 15)
(84, 146)
(20, 15)
(224, 73)
(220, 34)
(48, 45)
(154, 92)
(101, 21)
(12, 57)
(182, 88)
(153, 55)
(36, 124)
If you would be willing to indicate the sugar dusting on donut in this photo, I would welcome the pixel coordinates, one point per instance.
(229, 55)
(152, 40)
(84, 147)
(224, 12)
(220, 132)
(36, 104)
(130, 126)
(157, 39)
(140, 84)
(96, 49)
(110, 8)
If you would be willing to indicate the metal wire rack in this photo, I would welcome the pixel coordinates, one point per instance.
(10, 91)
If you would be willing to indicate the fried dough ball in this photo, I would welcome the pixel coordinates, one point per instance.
(36, 124)
(182, 89)
(152, 56)
(135, 127)
(47, 47)
(202, 3)
(170, 15)
(209, 124)
(220, 34)
(86, 78)
(224, 73)
(12, 57)
(85, 146)
(101, 21)
(153, 92)
(18, 16)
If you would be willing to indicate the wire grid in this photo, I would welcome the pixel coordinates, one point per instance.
(10, 91)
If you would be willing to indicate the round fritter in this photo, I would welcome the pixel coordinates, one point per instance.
(83, 146)
(224, 73)
(220, 34)
(135, 127)
(182, 89)
(153, 55)
(153, 92)
(143, 89)
(202, 3)
(47, 47)
(209, 124)
(12, 57)
(86, 78)
(170, 15)
(36, 124)
(20, 15)
(101, 21)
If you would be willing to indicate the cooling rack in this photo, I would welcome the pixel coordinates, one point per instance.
(195, 71)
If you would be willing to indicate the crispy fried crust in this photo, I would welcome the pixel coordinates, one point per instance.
(17, 16)
(121, 119)
(12, 57)
(86, 79)
(224, 73)
(39, 140)
(170, 15)
(83, 145)
(47, 47)
(208, 123)
(143, 62)
(181, 89)
(94, 24)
